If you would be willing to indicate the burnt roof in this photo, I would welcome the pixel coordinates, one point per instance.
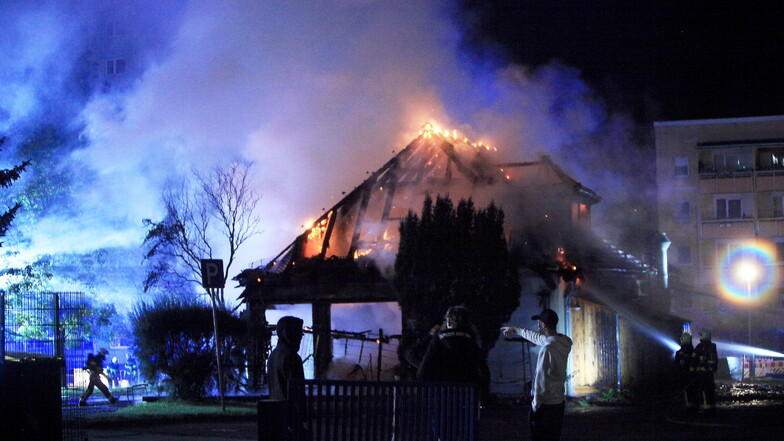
(434, 161)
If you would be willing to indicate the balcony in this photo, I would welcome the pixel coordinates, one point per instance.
(770, 180)
(732, 183)
(773, 227)
(727, 229)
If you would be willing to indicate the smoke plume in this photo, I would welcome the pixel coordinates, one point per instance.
(315, 93)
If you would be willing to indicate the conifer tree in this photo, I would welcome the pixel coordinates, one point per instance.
(454, 256)
(7, 178)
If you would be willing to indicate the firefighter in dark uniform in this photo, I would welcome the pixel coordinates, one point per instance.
(94, 366)
(706, 361)
(454, 354)
(686, 373)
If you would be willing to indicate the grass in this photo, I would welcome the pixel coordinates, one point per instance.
(172, 412)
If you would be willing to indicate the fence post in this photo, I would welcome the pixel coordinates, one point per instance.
(59, 334)
(2, 327)
(380, 348)
(273, 420)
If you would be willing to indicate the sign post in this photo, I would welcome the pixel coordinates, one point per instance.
(212, 280)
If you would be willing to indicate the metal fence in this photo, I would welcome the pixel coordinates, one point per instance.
(48, 325)
(386, 410)
(364, 356)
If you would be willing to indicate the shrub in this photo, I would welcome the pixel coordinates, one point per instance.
(173, 339)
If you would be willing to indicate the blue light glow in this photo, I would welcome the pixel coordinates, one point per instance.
(745, 349)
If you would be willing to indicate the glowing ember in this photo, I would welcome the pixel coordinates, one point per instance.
(429, 130)
(318, 230)
(360, 253)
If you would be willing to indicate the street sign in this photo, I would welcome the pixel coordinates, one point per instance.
(212, 273)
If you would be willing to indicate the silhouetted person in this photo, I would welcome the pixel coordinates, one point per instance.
(548, 405)
(706, 362)
(686, 373)
(94, 366)
(285, 364)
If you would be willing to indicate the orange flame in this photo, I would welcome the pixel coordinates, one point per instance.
(360, 253)
(318, 230)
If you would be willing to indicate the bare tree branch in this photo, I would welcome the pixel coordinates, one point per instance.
(215, 207)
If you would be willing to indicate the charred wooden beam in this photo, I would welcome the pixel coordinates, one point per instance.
(328, 233)
(322, 345)
(368, 190)
(449, 149)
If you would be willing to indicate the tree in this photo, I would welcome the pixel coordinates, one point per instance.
(173, 339)
(454, 256)
(220, 203)
(7, 178)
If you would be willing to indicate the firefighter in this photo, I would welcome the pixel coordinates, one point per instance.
(686, 373)
(706, 361)
(455, 353)
(94, 366)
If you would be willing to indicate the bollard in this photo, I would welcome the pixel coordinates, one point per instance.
(272, 420)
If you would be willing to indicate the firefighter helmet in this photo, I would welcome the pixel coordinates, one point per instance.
(705, 335)
(685, 338)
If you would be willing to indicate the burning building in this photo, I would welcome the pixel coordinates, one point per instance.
(604, 296)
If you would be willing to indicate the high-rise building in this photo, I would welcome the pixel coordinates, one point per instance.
(721, 202)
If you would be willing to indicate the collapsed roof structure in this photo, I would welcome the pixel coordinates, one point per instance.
(363, 225)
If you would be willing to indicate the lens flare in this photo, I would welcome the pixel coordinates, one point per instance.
(747, 273)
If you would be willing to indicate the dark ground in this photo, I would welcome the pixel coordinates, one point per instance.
(737, 421)
(745, 412)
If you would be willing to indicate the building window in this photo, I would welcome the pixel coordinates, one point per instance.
(684, 255)
(683, 211)
(770, 159)
(725, 248)
(115, 67)
(778, 207)
(681, 166)
(728, 209)
(781, 300)
(711, 162)
(780, 249)
(730, 162)
(726, 162)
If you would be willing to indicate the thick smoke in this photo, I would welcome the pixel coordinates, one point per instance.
(316, 93)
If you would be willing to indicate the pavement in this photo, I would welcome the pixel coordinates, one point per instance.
(756, 421)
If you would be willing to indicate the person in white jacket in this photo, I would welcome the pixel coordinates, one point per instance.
(547, 407)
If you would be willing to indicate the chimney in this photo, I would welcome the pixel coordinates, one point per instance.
(660, 244)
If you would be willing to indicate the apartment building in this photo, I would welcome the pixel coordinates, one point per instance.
(721, 191)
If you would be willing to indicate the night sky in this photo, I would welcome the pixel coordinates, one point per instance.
(658, 60)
